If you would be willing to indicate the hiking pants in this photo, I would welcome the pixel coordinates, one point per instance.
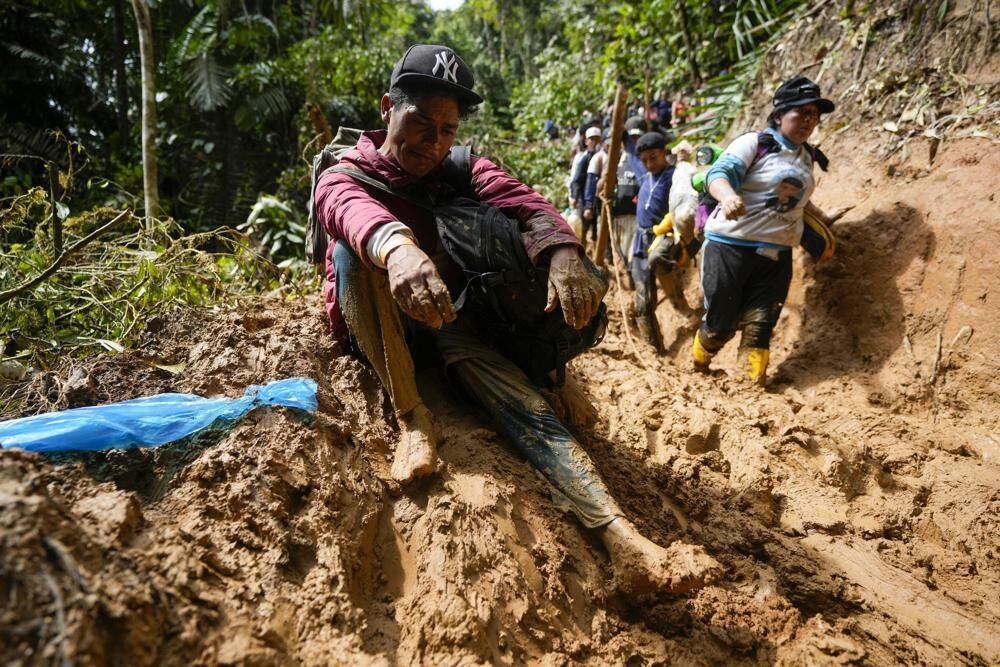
(590, 225)
(743, 289)
(643, 274)
(495, 383)
(622, 231)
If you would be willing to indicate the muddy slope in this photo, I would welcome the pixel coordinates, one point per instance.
(855, 503)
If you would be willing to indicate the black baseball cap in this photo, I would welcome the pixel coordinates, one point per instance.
(799, 91)
(438, 67)
(635, 125)
(649, 141)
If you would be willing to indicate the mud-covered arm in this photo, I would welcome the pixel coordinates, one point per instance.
(827, 218)
(349, 213)
(541, 226)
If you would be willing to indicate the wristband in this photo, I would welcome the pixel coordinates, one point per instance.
(393, 242)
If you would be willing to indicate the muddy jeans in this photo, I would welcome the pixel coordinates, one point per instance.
(500, 387)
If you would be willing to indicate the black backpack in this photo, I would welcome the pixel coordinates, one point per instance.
(504, 294)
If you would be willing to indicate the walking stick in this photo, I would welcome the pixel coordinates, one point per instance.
(610, 178)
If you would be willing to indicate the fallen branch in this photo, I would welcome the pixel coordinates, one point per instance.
(61, 259)
(988, 42)
(864, 52)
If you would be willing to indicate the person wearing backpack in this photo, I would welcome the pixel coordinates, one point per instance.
(623, 221)
(402, 273)
(595, 170)
(579, 177)
(762, 183)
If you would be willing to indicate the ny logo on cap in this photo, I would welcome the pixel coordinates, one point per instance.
(448, 64)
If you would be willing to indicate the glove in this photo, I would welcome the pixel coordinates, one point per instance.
(666, 225)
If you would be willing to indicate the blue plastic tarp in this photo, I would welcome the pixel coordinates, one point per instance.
(147, 422)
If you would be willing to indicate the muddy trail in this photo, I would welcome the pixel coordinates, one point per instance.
(854, 503)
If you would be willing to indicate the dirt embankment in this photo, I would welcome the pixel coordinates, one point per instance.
(855, 503)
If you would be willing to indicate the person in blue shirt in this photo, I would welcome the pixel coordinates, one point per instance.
(648, 158)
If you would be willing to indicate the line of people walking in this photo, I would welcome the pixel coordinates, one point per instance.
(743, 208)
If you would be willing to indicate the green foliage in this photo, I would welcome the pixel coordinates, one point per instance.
(279, 229)
(114, 285)
(561, 91)
(233, 82)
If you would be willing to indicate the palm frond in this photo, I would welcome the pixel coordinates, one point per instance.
(259, 19)
(266, 104)
(207, 83)
(198, 35)
(33, 56)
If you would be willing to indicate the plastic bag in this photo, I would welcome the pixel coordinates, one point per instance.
(147, 422)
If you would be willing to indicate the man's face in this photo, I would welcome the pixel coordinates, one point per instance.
(592, 143)
(654, 160)
(420, 134)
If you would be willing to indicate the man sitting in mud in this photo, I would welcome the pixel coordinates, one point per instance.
(390, 283)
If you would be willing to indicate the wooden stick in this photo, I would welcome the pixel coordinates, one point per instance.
(611, 173)
(37, 280)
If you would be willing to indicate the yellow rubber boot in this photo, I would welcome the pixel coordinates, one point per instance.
(702, 357)
(755, 362)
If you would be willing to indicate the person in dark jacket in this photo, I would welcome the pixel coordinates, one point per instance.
(579, 175)
(388, 276)
(648, 157)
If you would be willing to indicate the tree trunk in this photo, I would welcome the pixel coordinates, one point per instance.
(149, 182)
(319, 121)
(689, 44)
(646, 101)
(121, 80)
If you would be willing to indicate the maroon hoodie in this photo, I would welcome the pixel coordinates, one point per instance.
(350, 212)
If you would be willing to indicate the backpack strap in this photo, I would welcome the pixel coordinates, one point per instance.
(456, 170)
(818, 157)
(767, 143)
(362, 177)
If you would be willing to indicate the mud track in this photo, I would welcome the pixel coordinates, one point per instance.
(854, 503)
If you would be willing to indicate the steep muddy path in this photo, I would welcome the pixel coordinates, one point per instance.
(853, 502)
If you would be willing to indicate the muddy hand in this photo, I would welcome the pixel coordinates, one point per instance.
(733, 207)
(837, 213)
(571, 285)
(417, 287)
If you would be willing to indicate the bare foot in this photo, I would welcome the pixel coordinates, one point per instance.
(642, 566)
(416, 452)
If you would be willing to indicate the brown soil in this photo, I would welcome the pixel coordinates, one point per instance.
(854, 503)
